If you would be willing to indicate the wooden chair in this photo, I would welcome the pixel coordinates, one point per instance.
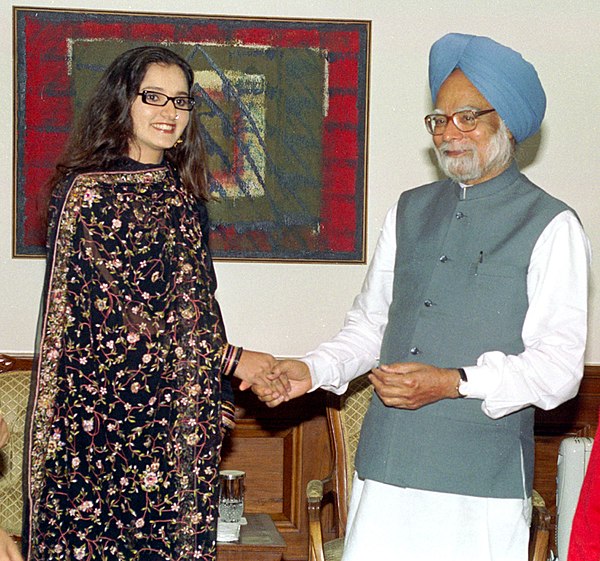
(344, 417)
(15, 377)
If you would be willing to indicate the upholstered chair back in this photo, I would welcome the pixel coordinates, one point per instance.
(14, 394)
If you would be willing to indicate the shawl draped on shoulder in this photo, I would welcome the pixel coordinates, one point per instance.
(124, 431)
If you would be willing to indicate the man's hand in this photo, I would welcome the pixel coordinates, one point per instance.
(255, 368)
(410, 385)
(8, 549)
(297, 376)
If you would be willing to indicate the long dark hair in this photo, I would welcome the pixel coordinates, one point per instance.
(105, 129)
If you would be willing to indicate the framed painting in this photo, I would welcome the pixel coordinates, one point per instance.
(283, 106)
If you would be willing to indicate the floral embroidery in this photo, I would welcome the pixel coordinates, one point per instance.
(126, 411)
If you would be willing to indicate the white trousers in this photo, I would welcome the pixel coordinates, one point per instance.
(389, 523)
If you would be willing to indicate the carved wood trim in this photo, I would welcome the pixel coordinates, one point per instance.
(9, 362)
(6, 363)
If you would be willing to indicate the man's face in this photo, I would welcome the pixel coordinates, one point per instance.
(475, 156)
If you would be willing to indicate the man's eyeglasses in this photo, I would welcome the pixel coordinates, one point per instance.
(464, 121)
(160, 100)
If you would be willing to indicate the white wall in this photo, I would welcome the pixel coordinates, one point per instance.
(289, 308)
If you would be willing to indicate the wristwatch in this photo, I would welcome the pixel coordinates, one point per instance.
(463, 379)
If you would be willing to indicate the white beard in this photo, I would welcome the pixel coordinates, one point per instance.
(498, 153)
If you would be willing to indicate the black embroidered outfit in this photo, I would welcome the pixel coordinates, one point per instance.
(130, 394)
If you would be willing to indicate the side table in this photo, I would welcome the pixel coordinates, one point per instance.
(259, 541)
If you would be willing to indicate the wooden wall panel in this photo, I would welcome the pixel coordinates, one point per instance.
(280, 450)
(264, 480)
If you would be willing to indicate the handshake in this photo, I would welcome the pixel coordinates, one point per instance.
(271, 380)
(404, 385)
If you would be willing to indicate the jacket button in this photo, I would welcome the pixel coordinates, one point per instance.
(415, 351)
(428, 303)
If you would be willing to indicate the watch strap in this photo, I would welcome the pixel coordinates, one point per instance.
(463, 378)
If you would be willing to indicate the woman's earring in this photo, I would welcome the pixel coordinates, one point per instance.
(178, 142)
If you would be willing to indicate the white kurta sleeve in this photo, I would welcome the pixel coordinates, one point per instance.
(549, 370)
(355, 349)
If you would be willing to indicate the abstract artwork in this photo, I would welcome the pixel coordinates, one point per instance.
(283, 106)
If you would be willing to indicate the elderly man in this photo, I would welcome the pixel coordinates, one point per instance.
(473, 311)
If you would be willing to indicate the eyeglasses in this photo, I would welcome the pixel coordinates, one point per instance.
(464, 121)
(160, 100)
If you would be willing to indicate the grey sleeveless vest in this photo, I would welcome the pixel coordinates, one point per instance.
(460, 289)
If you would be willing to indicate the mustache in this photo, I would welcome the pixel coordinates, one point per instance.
(451, 146)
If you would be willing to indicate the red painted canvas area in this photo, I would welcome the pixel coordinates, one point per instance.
(47, 114)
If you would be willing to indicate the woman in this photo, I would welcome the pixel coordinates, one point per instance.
(132, 387)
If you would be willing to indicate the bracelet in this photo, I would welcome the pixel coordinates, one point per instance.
(230, 360)
(235, 360)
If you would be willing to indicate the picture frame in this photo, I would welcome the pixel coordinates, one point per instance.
(283, 104)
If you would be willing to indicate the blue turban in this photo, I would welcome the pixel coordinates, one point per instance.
(503, 76)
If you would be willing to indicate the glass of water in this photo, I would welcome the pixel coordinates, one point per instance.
(231, 499)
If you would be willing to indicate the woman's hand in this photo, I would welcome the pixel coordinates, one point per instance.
(254, 369)
(297, 379)
(8, 548)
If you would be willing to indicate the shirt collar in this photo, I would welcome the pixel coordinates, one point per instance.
(490, 187)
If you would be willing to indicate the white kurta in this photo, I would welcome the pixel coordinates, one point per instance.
(547, 373)
(387, 523)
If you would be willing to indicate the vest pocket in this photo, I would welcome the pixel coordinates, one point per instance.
(491, 271)
(499, 292)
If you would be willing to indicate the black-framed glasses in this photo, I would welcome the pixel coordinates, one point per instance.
(464, 121)
(184, 103)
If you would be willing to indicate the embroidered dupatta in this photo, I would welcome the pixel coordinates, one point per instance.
(124, 434)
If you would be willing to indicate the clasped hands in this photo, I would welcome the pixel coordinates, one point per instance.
(270, 379)
(405, 385)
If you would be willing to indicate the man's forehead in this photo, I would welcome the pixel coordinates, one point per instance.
(458, 93)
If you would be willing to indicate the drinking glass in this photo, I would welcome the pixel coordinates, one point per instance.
(231, 499)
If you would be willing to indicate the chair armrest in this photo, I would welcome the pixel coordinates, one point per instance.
(541, 523)
(316, 489)
(541, 518)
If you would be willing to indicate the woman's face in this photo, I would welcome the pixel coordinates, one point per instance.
(155, 128)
